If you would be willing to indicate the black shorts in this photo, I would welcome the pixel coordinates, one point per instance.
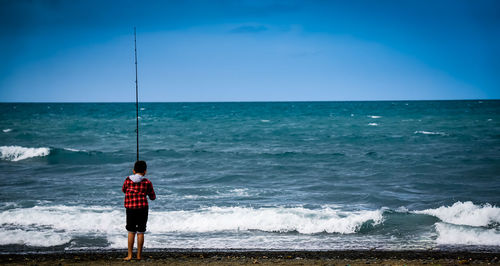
(136, 220)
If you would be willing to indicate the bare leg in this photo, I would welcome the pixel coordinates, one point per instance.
(131, 238)
(140, 243)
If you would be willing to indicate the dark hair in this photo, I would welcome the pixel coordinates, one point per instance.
(140, 167)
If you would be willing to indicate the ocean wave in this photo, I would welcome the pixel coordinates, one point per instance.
(9, 205)
(249, 151)
(214, 227)
(430, 133)
(240, 192)
(66, 222)
(32, 238)
(17, 153)
(466, 213)
(44, 226)
(277, 219)
(374, 116)
(401, 209)
(460, 235)
(7, 130)
(60, 225)
(237, 192)
(75, 150)
(62, 155)
(67, 218)
(372, 124)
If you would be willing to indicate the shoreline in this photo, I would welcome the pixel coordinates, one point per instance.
(248, 257)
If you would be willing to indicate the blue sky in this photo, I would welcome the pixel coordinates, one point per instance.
(82, 50)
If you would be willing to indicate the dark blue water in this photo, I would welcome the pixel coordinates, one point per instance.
(291, 175)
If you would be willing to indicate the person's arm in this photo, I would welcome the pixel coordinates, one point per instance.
(124, 187)
(151, 192)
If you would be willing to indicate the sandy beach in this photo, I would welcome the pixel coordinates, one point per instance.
(200, 257)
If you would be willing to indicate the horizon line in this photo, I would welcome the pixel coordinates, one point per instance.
(284, 101)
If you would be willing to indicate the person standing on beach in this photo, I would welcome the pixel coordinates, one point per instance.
(136, 188)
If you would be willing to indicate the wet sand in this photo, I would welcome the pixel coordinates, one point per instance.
(191, 257)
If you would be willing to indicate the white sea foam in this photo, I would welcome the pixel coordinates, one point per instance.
(278, 219)
(56, 225)
(32, 238)
(264, 121)
(67, 218)
(274, 242)
(402, 209)
(237, 192)
(17, 153)
(372, 124)
(7, 130)
(240, 192)
(430, 133)
(461, 235)
(62, 223)
(75, 150)
(374, 116)
(466, 213)
(258, 242)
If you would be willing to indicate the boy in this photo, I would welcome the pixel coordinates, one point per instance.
(136, 188)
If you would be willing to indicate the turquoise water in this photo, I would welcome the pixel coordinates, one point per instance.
(291, 175)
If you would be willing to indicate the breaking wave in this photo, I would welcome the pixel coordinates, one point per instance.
(466, 213)
(465, 223)
(18, 153)
(61, 155)
(430, 133)
(57, 225)
(459, 235)
(277, 219)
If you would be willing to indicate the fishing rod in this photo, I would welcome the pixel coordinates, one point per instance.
(136, 95)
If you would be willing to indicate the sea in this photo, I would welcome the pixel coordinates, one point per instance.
(385, 175)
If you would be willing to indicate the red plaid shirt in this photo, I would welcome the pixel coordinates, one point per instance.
(135, 193)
